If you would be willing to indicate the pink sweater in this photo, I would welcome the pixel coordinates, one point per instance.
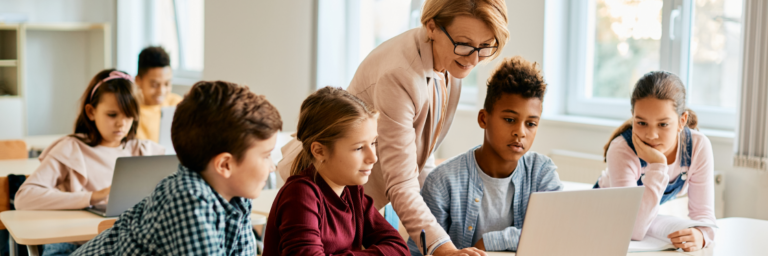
(70, 171)
(624, 170)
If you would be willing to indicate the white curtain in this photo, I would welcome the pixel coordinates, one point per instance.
(752, 144)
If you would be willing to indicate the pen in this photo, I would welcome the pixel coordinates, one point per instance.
(424, 242)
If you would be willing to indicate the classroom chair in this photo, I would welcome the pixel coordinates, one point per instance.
(13, 149)
(106, 224)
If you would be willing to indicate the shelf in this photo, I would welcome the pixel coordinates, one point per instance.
(9, 26)
(8, 63)
(65, 26)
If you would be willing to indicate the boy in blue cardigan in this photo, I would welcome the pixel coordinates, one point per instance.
(480, 197)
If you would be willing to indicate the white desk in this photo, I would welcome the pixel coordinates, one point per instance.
(664, 253)
(18, 166)
(740, 236)
(737, 236)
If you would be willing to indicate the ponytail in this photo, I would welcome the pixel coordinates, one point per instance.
(622, 128)
(303, 160)
(693, 120)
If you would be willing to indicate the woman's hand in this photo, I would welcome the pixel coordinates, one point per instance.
(648, 153)
(689, 239)
(448, 249)
(98, 196)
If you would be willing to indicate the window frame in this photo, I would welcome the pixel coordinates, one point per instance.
(674, 57)
(182, 75)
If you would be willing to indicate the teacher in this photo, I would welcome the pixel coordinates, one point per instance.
(414, 80)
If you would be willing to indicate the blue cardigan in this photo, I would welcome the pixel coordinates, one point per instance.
(453, 192)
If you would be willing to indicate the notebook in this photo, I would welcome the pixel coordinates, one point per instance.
(656, 238)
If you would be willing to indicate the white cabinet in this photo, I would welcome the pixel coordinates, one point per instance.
(44, 69)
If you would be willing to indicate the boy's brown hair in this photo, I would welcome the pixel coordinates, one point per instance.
(217, 117)
(515, 76)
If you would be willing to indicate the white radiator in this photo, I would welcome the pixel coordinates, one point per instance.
(586, 168)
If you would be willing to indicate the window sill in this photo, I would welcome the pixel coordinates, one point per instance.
(602, 124)
(184, 81)
(608, 125)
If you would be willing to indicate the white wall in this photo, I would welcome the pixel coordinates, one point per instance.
(746, 192)
(51, 11)
(58, 64)
(267, 45)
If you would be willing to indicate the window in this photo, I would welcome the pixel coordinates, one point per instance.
(179, 29)
(615, 42)
(349, 30)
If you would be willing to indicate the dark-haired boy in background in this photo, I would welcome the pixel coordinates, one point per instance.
(154, 81)
(480, 197)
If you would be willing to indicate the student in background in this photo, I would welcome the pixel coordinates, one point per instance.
(223, 135)
(322, 208)
(154, 81)
(480, 197)
(659, 148)
(76, 170)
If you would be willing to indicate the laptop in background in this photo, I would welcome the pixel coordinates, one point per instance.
(134, 179)
(166, 119)
(591, 222)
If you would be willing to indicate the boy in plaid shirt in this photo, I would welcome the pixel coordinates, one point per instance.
(223, 135)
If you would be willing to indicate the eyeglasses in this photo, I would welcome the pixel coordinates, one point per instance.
(466, 50)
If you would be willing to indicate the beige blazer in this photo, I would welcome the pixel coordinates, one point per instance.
(394, 79)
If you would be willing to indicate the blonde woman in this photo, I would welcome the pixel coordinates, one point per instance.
(414, 81)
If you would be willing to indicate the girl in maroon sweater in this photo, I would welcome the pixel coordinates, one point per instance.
(322, 209)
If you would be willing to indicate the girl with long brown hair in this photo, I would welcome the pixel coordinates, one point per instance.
(76, 170)
(322, 208)
(660, 148)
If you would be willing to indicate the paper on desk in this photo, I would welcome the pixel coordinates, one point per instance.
(661, 227)
(650, 244)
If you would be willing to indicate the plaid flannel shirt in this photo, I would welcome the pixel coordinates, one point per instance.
(183, 216)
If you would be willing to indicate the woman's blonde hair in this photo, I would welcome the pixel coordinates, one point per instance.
(325, 117)
(492, 12)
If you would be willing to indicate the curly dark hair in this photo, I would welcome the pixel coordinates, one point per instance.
(153, 57)
(217, 117)
(515, 76)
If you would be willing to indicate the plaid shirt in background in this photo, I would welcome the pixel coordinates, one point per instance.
(183, 216)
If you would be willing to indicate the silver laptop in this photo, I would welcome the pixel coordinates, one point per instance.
(164, 137)
(591, 222)
(134, 179)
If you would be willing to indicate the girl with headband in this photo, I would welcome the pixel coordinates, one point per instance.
(76, 171)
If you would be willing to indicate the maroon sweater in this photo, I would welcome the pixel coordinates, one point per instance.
(308, 218)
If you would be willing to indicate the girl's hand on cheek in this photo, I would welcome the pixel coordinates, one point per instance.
(647, 153)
